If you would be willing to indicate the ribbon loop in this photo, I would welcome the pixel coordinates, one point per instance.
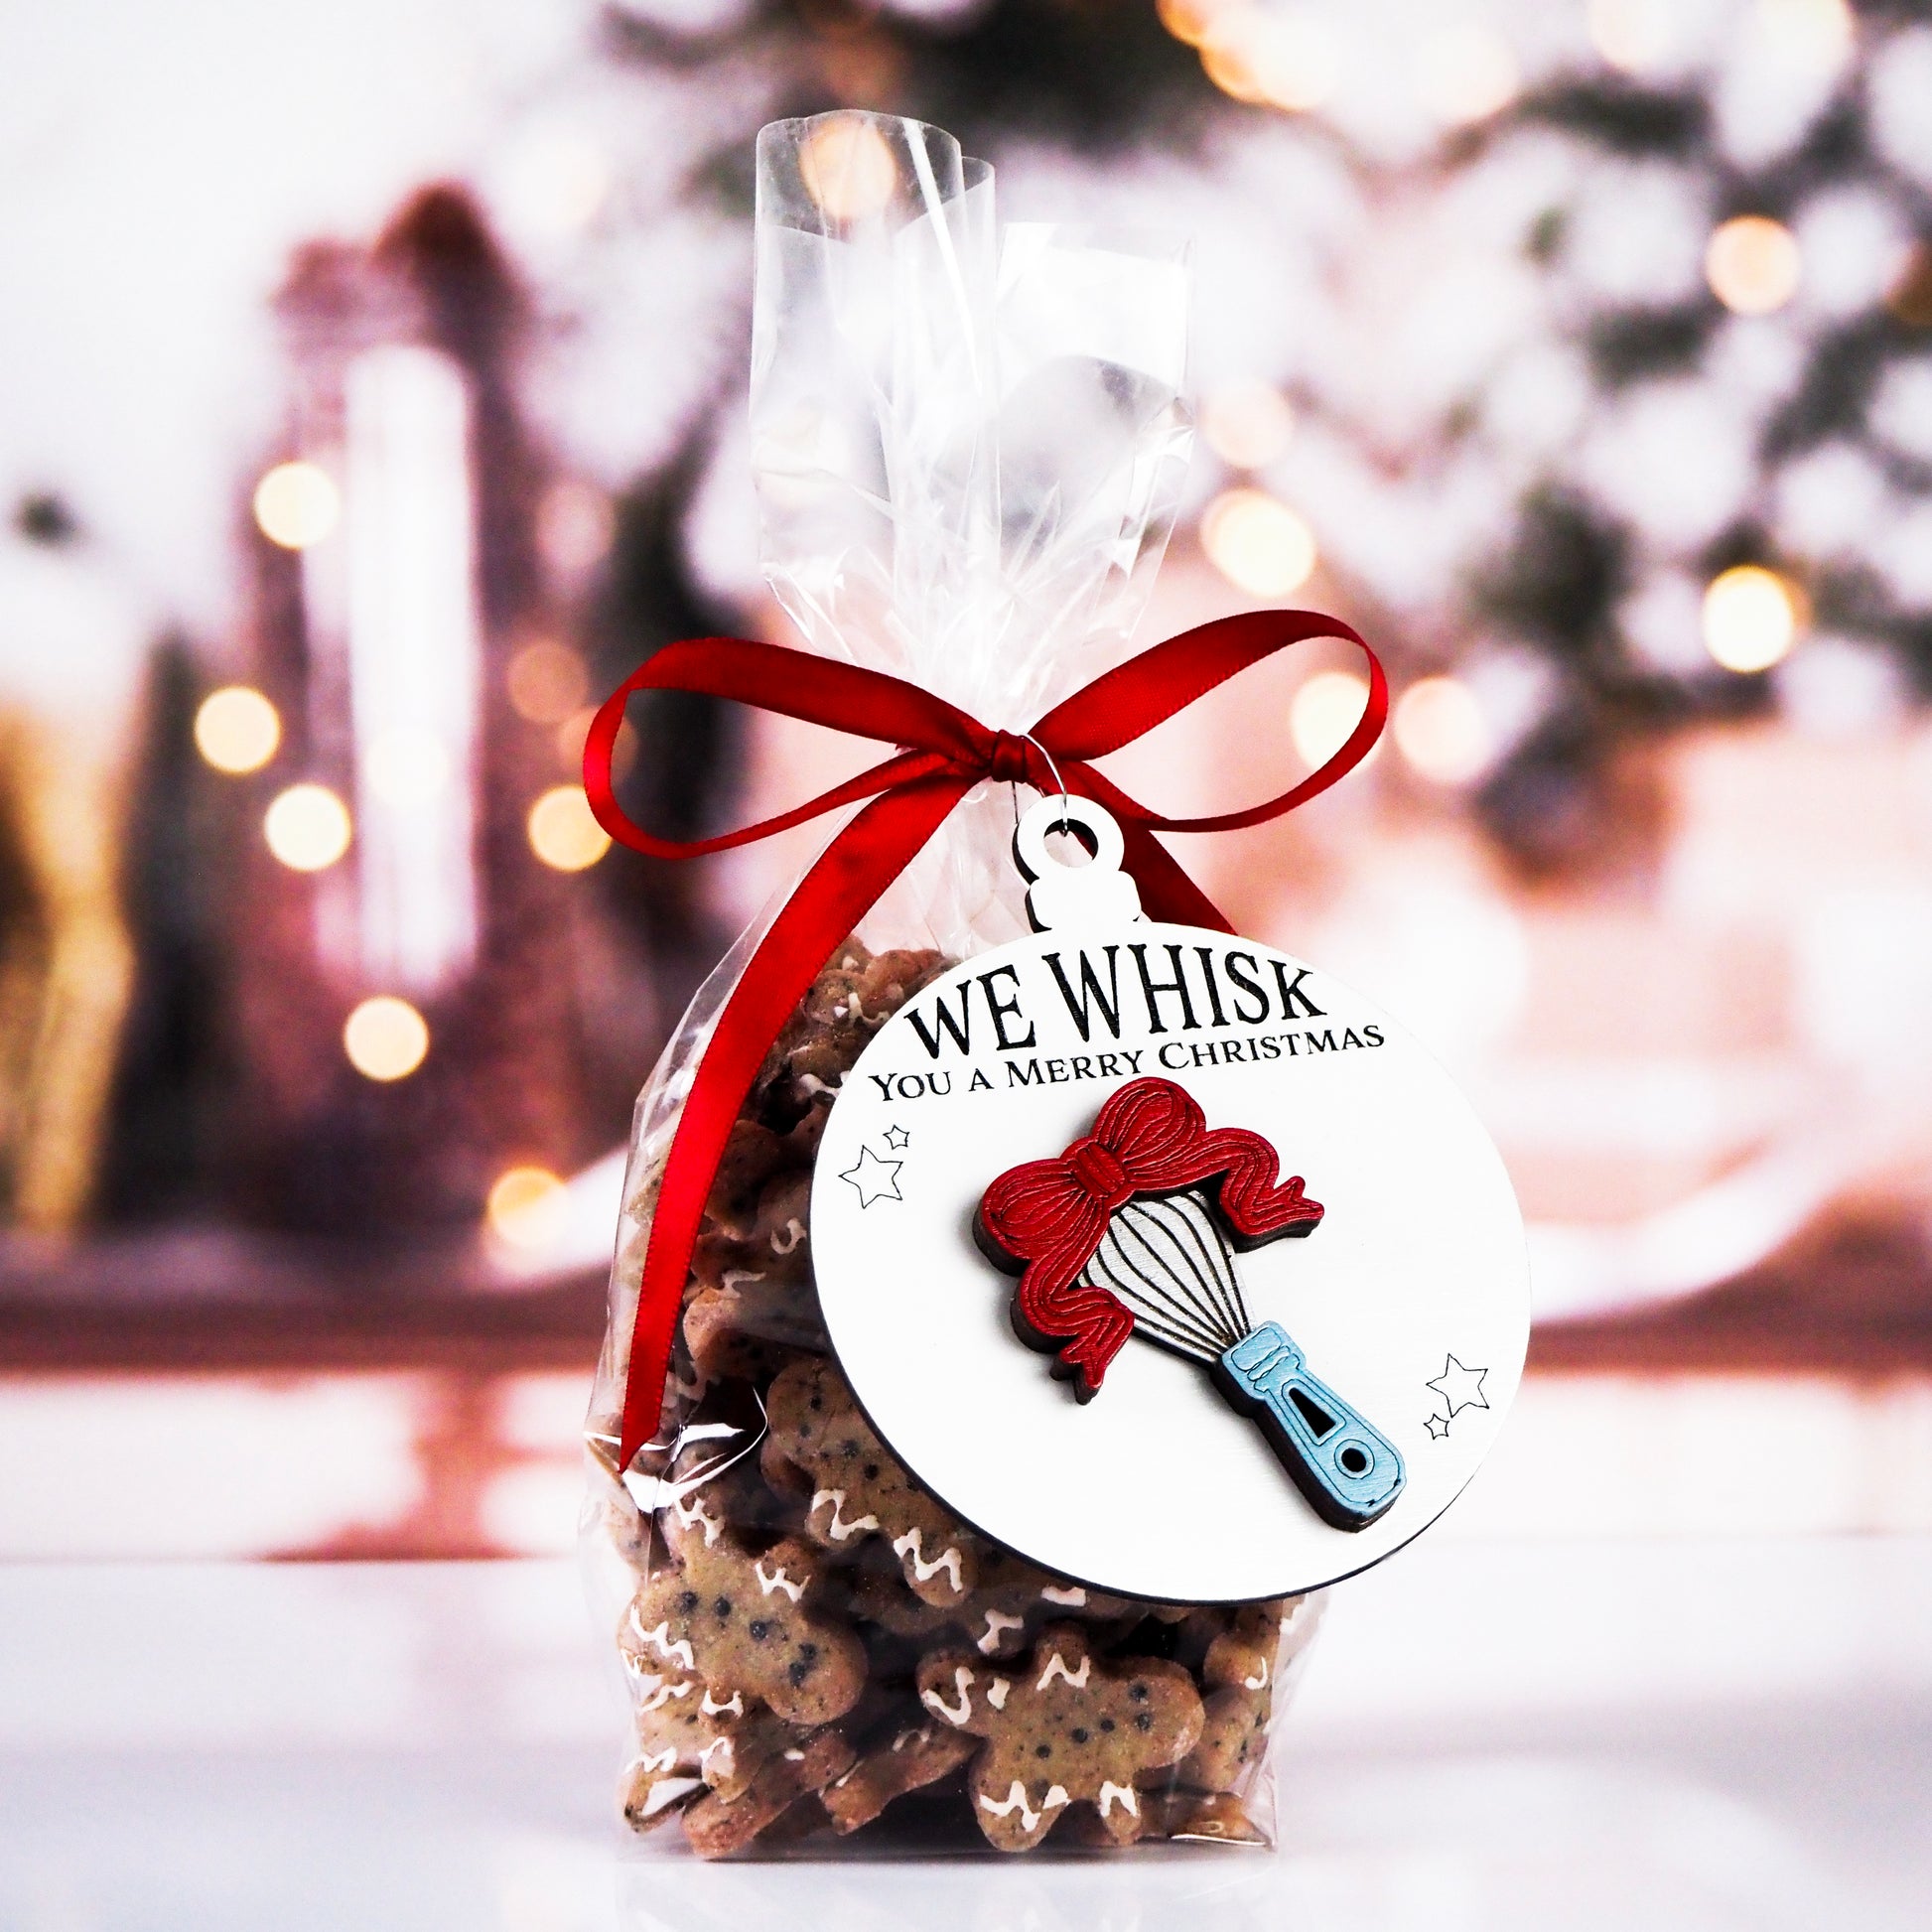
(940, 753)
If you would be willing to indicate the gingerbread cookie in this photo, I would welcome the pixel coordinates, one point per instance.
(688, 1737)
(1066, 1729)
(1214, 1817)
(859, 1488)
(717, 1825)
(1240, 1665)
(739, 1620)
(916, 1755)
(1015, 1600)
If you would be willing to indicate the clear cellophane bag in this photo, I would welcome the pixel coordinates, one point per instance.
(968, 444)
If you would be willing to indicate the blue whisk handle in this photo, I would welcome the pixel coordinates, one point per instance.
(1349, 1472)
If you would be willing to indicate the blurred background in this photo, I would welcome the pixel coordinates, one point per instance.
(373, 399)
(373, 392)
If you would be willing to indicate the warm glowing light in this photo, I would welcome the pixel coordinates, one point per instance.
(237, 729)
(1276, 60)
(548, 681)
(849, 169)
(525, 1206)
(1440, 729)
(306, 828)
(563, 833)
(1808, 33)
(409, 767)
(1191, 21)
(297, 504)
(385, 1039)
(1750, 619)
(1247, 424)
(1325, 710)
(1465, 73)
(1634, 36)
(1257, 542)
(1752, 265)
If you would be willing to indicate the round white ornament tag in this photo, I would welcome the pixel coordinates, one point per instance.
(1162, 1257)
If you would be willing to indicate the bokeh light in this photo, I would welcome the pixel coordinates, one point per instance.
(1441, 731)
(307, 827)
(548, 681)
(1752, 264)
(1247, 424)
(562, 832)
(1190, 20)
(1808, 33)
(385, 1039)
(1750, 619)
(1325, 711)
(524, 1206)
(1634, 36)
(1284, 60)
(1465, 73)
(1258, 543)
(237, 729)
(297, 504)
(849, 169)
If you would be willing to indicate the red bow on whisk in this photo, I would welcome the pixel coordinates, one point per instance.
(1150, 1138)
(942, 754)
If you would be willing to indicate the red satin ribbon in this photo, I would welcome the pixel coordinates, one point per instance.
(942, 754)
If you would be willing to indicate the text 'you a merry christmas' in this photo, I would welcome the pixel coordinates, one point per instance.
(1139, 1007)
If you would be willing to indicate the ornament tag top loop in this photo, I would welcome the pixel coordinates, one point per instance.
(1062, 897)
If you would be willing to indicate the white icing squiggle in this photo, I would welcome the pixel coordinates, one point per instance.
(996, 1621)
(732, 1276)
(658, 1691)
(658, 1761)
(732, 1707)
(947, 1559)
(788, 1236)
(836, 1529)
(1016, 1800)
(1056, 1667)
(1258, 1680)
(996, 1692)
(1072, 1599)
(779, 1579)
(719, 1748)
(924, 1736)
(660, 1641)
(668, 1791)
(961, 1679)
(1122, 1794)
(694, 1511)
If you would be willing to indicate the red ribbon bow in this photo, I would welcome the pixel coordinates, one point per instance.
(942, 754)
(1150, 1138)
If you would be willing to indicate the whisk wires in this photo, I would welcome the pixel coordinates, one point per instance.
(1169, 1263)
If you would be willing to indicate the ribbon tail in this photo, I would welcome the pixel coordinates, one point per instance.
(1167, 893)
(849, 876)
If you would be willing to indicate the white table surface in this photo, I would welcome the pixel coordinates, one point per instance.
(1539, 1736)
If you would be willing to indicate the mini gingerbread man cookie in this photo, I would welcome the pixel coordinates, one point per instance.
(740, 1621)
(860, 1490)
(717, 1825)
(1066, 1729)
(916, 1755)
(1241, 1663)
(688, 1737)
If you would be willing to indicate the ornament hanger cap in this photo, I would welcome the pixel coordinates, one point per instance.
(1062, 897)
